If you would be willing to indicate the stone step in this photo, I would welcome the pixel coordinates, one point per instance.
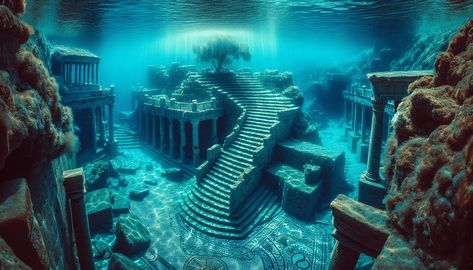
(243, 163)
(245, 145)
(222, 188)
(229, 171)
(210, 205)
(243, 153)
(254, 134)
(240, 155)
(216, 192)
(261, 130)
(203, 193)
(250, 138)
(221, 178)
(244, 148)
(256, 120)
(231, 165)
(257, 125)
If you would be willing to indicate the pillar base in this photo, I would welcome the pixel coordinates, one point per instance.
(113, 148)
(353, 141)
(370, 192)
(362, 152)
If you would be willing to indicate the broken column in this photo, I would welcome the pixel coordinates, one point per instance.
(74, 187)
(386, 86)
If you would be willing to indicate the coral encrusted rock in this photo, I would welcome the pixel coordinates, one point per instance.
(133, 239)
(429, 165)
(34, 125)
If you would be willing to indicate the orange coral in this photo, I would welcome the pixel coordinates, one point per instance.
(429, 165)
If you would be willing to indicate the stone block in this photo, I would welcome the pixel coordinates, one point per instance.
(297, 153)
(299, 198)
(99, 210)
(312, 173)
(132, 237)
(125, 164)
(120, 204)
(18, 226)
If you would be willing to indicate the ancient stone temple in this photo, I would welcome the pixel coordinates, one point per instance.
(77, 73)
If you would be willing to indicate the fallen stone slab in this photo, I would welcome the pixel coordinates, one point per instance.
(174, 174)
(120, 204)
(99, 210)
(132, 237)
(18, 227)
(125, 164)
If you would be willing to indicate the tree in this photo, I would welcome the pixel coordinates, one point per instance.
(221, 51)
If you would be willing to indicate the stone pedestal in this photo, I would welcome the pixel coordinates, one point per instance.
(74, 188)
(371, 192)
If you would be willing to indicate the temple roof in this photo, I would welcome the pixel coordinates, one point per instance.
(63, 53)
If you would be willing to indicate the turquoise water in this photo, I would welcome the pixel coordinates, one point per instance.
(314, 40)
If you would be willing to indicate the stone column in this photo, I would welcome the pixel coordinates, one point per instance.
(374, 154)
(362, 151)
(93, 131)
(74, 188)
(183, 141)
(172, 145)
(161, 133)
(372, 190)
(195, 143)
(343, 257)
(155, 131)
(101, 126)
(97, 73)
(347, 120)
(113, 145)
(214, 138)
(356, 129)
(146, 127)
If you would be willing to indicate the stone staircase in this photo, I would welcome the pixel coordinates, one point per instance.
(207, 206)
(127, 139)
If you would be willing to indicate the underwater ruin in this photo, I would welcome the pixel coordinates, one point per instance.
(236, 135)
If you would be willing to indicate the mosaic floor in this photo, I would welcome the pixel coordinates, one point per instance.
(280, 243)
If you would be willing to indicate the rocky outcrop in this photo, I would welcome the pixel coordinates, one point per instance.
(430, 159)
(35, 126)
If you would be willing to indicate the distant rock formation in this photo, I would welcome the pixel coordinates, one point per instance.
(429, 165)
(421, 55)
(35, 125)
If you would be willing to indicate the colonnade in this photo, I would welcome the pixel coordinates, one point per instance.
(170, 137)
(359, 109)
(80, 72)
(97, 114)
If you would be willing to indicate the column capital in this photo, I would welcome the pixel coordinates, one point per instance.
(73, 181)
(378, 105)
